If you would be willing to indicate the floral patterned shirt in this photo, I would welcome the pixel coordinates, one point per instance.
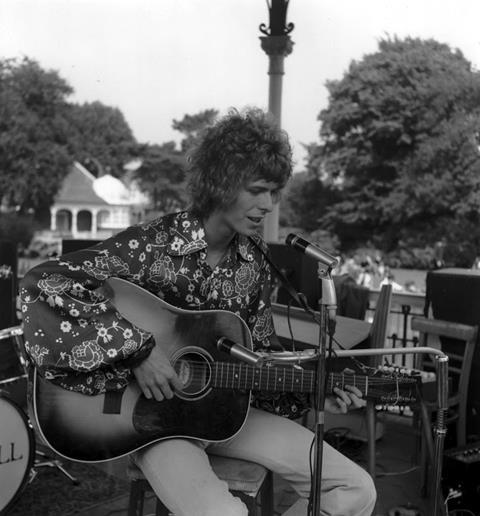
(78, 340)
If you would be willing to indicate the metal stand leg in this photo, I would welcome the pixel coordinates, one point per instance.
(47, 461)
(371, 419)
(42, 459)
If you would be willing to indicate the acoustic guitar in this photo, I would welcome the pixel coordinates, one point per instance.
(214, 402)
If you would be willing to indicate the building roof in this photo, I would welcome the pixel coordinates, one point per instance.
(81, 186)
(113, 191)
(78, 187)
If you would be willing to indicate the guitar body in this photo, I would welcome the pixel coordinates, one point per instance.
(214, 402)
(107, 426)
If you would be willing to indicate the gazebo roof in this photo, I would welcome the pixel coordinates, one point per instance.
(114, 191)
(78, 187)
(81, 186)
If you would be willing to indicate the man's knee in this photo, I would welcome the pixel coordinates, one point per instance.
(366, 494)
(231, 506)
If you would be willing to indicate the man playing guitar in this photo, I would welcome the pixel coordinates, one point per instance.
(206, 258)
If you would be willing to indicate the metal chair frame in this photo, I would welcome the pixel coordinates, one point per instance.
(437, 333)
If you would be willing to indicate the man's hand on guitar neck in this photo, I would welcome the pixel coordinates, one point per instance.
(350, 397)
(156, 376)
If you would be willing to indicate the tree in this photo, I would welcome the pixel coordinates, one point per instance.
(41, 134)
(100, 138)
(162, 173)
(33, 134)
(191, 126)
(400, 144)
(307, 195)
(162, 177)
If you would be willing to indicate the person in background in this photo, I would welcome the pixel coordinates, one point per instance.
(208, 257)
(366, 276)
(438, 253)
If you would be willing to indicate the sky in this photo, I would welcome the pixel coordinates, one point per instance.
(157, 60)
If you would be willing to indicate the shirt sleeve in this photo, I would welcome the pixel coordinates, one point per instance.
(73, 334)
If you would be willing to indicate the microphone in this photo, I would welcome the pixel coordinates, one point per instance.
(311, 250)
(240, 352)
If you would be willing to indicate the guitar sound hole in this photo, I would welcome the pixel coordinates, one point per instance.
(194, 371)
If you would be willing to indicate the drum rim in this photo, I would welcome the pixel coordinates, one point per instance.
(31, 455)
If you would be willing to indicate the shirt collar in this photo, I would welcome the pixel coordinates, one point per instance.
(244, 247)
(187, 236)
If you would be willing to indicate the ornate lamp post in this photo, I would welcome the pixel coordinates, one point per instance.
(277, 45)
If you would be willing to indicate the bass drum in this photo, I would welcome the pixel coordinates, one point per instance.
(17, 451)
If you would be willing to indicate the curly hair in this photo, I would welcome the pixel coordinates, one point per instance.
(239, 148)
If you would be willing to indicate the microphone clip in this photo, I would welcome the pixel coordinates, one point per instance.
(240, 352)
(326, 261)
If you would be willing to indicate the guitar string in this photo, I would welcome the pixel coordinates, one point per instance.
(289, 377)
(248, 377)
(250, 380)
(290, 371)
(388, 398)
(200, 369)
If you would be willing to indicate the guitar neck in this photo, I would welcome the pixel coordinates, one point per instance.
(231, 375)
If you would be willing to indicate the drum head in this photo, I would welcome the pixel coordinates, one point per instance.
(17, 451)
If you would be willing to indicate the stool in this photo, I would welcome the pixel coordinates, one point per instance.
(251, 482)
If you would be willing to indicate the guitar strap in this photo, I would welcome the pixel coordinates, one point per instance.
(112, 402)
(299, 298)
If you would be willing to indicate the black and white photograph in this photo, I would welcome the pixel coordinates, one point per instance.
(239, 258)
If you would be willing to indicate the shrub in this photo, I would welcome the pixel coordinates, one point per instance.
(17, 228)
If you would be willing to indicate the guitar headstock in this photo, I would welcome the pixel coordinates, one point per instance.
(396, 386)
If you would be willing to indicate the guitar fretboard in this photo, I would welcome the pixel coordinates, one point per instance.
(230, 375)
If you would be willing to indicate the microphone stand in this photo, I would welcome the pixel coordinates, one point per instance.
(439, 508)
(327, 308)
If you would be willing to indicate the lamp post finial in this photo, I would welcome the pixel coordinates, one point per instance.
(277, 10)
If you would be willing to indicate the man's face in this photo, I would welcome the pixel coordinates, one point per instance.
(246, 214)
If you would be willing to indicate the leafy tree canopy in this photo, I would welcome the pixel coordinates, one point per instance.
(33, 134)
(100, 138)
(41, 134)
(162, 173)
(191, 126)
(305, 200)
(400, 144)
(162, 177)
